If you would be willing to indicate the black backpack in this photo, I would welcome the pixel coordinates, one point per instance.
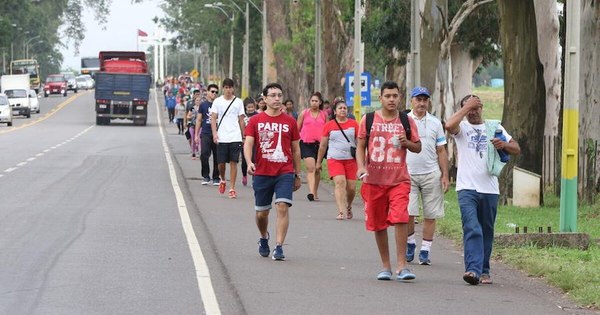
(403, 118)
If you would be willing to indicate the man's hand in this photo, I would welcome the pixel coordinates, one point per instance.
(297, 182)
(251, 168)
(216, 138)
(445, 183)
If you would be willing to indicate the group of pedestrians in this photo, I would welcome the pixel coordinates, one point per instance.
(400, 157)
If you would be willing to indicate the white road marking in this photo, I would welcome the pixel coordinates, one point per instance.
(20, 164)
(207, 292)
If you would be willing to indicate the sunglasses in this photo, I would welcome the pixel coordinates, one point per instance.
(214, 92)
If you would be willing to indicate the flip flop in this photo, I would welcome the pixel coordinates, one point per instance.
(310, 197)
(485, 279)
(471, 278)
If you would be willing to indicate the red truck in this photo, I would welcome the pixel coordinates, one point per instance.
(122, 87)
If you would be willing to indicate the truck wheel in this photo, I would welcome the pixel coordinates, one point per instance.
(28, 115)
(75, 90)
(139, 122)
(65, 94)
(99, 121)
(9, 123)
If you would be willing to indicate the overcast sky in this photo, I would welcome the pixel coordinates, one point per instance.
(120, 33)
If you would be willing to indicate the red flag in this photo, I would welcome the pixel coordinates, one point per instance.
(142, 33)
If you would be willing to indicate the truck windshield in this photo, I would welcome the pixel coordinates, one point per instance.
(16, 93)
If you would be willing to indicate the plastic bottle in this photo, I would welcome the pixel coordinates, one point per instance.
(504, 157)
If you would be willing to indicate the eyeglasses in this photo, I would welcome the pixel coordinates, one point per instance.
(214, 92)
(275, 95)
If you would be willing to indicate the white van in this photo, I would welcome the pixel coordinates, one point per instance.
(5, 110)
(16, 88)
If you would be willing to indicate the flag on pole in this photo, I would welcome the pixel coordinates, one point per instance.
(141, 33)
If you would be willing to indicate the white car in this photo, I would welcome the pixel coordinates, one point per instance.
(5, 111)
(34, 103)
(85, 81)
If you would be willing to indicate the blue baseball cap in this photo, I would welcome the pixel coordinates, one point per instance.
(419, 90)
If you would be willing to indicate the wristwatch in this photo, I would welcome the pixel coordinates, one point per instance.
(296, 176)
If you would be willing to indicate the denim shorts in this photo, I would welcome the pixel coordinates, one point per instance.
(282, 186)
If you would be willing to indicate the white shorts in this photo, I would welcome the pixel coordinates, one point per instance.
(428, 189)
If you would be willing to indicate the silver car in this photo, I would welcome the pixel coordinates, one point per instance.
(34, 103)
(6, 115)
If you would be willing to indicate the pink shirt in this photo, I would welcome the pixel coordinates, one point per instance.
(386, 165)
(312, 128)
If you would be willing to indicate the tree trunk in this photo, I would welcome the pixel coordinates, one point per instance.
(339, 48)
(589, 97)
(432, 26)
(463, 68)
(293, 79)
(546, 17)
(524, 88)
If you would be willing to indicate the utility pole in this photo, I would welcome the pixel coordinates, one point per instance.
(414, 66)
(246, 56)
(357, 35)
(568, 183)
(265, 65)
(318, 62)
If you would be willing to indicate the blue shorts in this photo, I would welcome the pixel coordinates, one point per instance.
(282, 186)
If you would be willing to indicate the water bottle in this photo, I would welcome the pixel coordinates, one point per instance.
(504, 157)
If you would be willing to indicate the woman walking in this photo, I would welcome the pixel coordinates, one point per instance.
(310, 123)
(339, 134)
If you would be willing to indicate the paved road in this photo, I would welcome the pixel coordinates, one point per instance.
(92, 222)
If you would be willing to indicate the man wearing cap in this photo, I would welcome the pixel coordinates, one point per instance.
(428, 175)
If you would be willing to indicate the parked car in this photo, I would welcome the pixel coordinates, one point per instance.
(34, 103)
(55, 84)
(6, 115)
(71, 81)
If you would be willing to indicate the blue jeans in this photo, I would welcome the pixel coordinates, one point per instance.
(478, 213)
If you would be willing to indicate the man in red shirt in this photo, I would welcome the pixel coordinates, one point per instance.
(386, 183)
(276, 166)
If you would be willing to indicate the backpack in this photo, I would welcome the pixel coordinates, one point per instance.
(403, 118)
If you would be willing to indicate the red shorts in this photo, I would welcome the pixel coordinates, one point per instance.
(348, 168)
(385, 205)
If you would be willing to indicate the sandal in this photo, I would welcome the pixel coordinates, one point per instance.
(485, 279)
(471, 278)
(310, 197)
(349, 214)
(340, 216)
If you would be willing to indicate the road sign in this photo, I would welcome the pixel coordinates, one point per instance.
(194, 73)
(365, 88)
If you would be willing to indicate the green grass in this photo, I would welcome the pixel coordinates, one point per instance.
(574, 271)
(493, 101)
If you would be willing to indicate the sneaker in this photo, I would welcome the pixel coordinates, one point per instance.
(263, 246)
(205, 181)
(232, 194)
(245, 180)
(222, 186)
(410, 251)
(424, 258)
(278, 253)
(405, 274)
(216, 183)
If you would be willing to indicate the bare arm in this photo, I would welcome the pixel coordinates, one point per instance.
(443, 163)
(360, 156)
(322, 149)
(213, 126)
(248, 149)
(198, 126)
(453, 123)
(242, 125)
(512, 147)
(300, 121)
(296, 155)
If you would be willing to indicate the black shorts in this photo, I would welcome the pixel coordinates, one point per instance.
(229, 152)
(309, 150)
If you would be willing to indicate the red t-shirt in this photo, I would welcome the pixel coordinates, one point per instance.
(273, 136)
(386, 165)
